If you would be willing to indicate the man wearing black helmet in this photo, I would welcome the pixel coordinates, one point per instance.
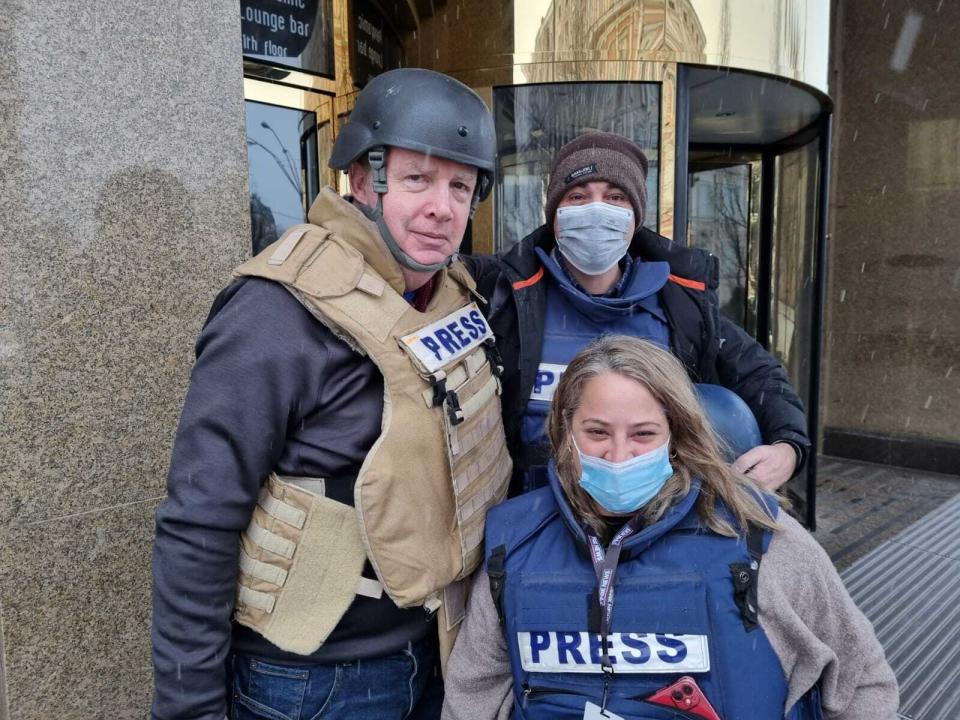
(341, 438)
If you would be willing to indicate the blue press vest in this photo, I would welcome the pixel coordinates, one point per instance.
(573, 319)
(674, 614)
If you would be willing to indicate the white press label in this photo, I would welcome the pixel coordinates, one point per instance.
(580, 652)
(546, 381)
(450, 338)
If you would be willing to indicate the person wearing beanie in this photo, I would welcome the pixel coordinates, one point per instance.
(594, 269)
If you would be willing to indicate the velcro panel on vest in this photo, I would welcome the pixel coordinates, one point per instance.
(283, 260)
(316, 278)
(297, 582)
(479, 462)
(364, 307)
(667, 613)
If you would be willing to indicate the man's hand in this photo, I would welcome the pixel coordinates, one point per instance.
(769, 465)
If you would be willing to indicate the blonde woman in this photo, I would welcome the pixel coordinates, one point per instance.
(649, 580)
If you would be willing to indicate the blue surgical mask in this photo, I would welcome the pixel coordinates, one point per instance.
(629, 485)
(593, 237)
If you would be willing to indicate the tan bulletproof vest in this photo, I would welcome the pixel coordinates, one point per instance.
(423, 490)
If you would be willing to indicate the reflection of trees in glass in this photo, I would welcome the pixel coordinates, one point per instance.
(262, 225)
(534, 121)
(792, 292)
(283, 163)
(753, 249)
(731, 199)
(720, 222)
(290, 171)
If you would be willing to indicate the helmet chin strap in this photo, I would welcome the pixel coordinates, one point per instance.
(376, 158)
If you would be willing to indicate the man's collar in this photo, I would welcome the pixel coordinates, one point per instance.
(420, 298)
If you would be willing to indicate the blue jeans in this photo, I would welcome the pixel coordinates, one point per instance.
(406, 684)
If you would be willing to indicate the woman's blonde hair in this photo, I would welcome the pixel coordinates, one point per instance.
(694, 449)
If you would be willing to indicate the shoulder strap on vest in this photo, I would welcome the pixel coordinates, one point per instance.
(497, 575)
(317, 266)
(458, 271)
(310, 259)
(746, 577)
(513, 522)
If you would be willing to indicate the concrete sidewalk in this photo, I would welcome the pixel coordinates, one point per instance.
(895, 535)
(861, 505)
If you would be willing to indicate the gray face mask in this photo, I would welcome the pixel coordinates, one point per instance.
(593, 237)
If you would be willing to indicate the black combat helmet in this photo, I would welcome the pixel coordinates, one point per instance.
(423, 111)
(420, 110)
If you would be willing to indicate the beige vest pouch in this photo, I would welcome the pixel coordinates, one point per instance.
(300, 564)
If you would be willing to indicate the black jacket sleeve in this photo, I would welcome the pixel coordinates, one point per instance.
(257, 358)
(756, 376)
(486, 271)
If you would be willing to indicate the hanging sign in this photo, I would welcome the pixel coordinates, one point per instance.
(297, 34)
(374, 48)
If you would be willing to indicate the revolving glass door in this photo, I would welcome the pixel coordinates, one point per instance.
(753, 194)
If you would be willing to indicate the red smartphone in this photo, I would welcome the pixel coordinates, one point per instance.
(687, 696)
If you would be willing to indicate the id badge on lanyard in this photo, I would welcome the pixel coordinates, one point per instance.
(605, 566)
(592, 711)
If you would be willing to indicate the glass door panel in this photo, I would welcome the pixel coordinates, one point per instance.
(793, 292)
(763, 230)
(285, 165)
(534, 121)
(723, 218)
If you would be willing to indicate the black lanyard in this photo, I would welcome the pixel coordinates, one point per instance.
(605, 566)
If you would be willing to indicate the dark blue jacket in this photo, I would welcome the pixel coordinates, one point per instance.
(573, 319)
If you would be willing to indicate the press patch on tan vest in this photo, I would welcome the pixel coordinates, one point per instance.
(422, 492)
(447, 340)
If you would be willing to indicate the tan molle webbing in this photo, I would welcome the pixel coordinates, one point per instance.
(424, 486)
(477, 460)
(262, 571)
(276, 544)
(301, 561)
(280, 510)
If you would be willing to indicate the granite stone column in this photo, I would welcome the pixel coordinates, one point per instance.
(123, 207)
